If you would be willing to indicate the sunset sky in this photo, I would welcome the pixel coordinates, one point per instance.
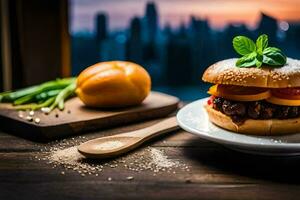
(218, 12)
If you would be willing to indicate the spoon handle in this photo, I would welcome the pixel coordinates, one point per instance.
(164, 126)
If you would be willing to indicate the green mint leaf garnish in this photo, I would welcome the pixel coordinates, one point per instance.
(243, 45)
(262, 42)
(258, 63)
(247, 60)
(273, 56)
(257, 54)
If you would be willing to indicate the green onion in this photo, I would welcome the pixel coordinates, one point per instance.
(46, 95)
(3, 94)
(50, 94)
(64, 94)
(61, 105)
(58, 84)
(11, 96)
(34, 106)
(50, 85)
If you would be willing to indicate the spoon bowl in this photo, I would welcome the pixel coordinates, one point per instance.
(112, 146)
(108, 147)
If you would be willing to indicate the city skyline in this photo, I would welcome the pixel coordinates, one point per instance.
(218, 13)
(174, 57)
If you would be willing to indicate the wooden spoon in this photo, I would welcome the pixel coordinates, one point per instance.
(111, 146)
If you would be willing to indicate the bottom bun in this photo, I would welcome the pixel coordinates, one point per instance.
(254, 127)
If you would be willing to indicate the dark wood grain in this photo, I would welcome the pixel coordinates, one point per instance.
(38, 40)
(77, 118)
(215, 173)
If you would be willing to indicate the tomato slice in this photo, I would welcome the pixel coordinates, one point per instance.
(287, 93)
(282, 101)
(239, 93)
(210, 100)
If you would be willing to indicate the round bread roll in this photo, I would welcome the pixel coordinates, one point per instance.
(225, 72)
(113, 84)
(254, 127)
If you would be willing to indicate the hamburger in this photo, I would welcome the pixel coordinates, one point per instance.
(257, 100)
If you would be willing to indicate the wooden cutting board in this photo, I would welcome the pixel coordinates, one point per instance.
(76, 118)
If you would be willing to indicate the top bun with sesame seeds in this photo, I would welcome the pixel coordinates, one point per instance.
(226, 72)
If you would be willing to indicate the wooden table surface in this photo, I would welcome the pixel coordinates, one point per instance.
(215, 173)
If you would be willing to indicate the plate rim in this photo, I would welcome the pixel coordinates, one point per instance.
(207, 136)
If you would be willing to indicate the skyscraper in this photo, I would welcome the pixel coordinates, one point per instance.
(101, 26)
(150, 31)
(268, 25)
(101, 31)
(178, 61)
(202, 53)
(134, 48)
(151, 22)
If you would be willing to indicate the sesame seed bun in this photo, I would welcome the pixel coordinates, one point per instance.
(225, 72)
(254, 127)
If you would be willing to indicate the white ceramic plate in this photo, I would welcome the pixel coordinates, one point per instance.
(193, 118)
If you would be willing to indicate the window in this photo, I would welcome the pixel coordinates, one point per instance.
(175, 40)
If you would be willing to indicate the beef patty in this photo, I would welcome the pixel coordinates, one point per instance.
(241, 110)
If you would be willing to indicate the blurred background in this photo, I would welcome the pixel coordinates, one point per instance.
(175, 40)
